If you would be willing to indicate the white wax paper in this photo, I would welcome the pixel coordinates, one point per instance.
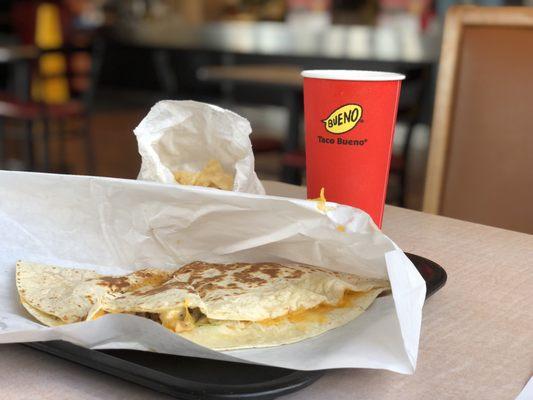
(116, 226)
(185, 135)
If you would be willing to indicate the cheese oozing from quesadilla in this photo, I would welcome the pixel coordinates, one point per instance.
(220, 306)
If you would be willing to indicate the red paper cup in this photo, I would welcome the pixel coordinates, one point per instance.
(349, 127)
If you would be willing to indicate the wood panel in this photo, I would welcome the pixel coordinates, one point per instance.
(480, 166)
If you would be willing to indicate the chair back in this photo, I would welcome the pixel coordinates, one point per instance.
(480, 165)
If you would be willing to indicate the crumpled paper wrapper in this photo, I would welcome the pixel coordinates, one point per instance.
(185, 135)
(116, 226)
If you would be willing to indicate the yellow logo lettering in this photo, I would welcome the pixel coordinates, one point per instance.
(343, 119)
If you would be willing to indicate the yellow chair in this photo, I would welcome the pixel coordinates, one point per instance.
(50, 85)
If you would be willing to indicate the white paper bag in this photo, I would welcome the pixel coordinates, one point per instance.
(185, 135)
(116, 226)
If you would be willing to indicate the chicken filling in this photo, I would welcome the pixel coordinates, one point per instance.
(185, 318)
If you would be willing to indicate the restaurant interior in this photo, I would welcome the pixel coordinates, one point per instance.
(78, 76)
(130, 289)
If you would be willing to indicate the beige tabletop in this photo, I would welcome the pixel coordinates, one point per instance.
(476, 340)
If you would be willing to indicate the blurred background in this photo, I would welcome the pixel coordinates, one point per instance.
(78, 75)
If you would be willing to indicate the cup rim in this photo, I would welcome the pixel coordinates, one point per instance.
(352, 75)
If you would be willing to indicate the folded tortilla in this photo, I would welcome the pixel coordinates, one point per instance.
(220, 306)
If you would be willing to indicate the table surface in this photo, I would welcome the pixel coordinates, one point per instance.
(280, 75)
(476, 332)
(13, 53)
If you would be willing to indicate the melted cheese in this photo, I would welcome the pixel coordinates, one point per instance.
(98, 314)
(181, 320)
(178, 320)
(315, 314)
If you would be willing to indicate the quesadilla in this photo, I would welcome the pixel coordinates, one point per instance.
(220, 306)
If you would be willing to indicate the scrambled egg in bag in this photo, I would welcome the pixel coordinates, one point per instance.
(212, 175)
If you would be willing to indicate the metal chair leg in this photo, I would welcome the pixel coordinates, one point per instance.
(403, 174)
(89, 151)
(29, 156)
(294, 104)
(46, 145)
(402, 191)
(165, 72)
(62, 134)
(2, 145)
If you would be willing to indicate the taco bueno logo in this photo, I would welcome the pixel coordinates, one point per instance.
(343, 119)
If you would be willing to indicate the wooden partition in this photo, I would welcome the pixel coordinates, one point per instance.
(480, 165)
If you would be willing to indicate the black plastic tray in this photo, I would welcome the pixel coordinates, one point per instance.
(197, 378)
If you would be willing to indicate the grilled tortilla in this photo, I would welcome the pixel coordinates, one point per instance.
(220, 306)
